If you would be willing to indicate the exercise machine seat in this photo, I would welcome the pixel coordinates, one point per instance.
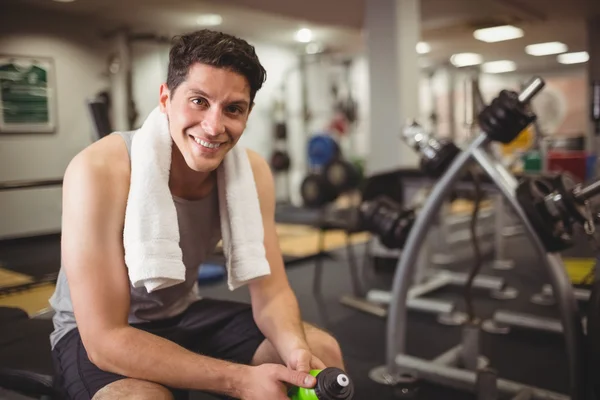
(27, 383)
(25, 354)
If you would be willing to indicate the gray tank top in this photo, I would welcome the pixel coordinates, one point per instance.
(200, 232)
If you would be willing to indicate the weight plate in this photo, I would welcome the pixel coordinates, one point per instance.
(322, 149)
(280, 161)
(577, 210)
(281, 130)
(316, 191)
(342, 174)
(530, 194)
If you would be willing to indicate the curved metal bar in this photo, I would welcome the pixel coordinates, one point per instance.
(397, 316)
(561, 285)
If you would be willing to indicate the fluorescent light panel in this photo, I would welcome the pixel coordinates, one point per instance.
(498, 67)
(573, 58)
(466, 59)
(209, 20)
(498, 33)
(545, 49)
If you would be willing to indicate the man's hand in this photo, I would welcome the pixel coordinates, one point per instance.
(268, 381)
(303, 360)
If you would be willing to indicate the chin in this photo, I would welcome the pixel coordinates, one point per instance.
(203, 165)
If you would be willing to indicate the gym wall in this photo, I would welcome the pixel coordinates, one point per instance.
(80, 61)
(562, 107)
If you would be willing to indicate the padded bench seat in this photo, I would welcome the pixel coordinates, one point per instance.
(25, 358)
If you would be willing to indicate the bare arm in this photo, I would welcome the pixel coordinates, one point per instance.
(274, 304)
(94, 199)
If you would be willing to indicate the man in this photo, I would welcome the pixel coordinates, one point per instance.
(115, 341)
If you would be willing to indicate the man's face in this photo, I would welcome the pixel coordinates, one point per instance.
(207, 114)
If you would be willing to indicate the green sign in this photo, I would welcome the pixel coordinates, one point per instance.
(26, 95)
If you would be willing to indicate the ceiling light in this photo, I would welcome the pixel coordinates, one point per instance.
(498, 67)
(304, 35)
(209, 20)
(498, 33)
(64, 1)
(573, 58)
(466, 59)
(544, 49)
(423, 48)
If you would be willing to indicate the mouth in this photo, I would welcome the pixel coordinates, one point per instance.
(205, 145)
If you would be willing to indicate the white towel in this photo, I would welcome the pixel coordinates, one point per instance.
(151, 231)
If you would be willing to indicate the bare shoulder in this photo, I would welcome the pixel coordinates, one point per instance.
(263, 178)
(259, 165)
(103, 162)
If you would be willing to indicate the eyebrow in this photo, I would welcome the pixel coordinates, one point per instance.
(199, 92)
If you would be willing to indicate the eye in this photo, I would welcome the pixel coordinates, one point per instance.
(200, 101)
(234, 109)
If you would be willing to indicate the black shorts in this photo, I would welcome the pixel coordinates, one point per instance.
(214, 328)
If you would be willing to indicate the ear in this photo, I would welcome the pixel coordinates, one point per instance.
(164, 97)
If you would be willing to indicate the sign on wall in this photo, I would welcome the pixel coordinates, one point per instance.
(27, 94)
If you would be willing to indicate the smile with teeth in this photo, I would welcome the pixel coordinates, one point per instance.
(206, 144)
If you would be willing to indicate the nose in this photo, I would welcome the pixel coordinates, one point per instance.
(212, 123)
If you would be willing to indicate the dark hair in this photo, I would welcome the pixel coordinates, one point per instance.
(217, 49)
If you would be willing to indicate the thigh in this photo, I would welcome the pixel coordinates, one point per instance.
(222, 329)
(76, 377)
(133, 389)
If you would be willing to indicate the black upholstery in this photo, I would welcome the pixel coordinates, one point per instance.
(9, 314)
(25, 358)
(26, 382)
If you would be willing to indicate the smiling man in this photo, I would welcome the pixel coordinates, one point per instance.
(115, 341)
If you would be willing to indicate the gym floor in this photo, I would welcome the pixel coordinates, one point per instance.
(533, 358)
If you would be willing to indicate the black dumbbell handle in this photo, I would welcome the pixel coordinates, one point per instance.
(583, 193)
(531, 90)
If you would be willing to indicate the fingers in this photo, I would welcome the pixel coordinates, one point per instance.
(296, 378)
(317, 363)
(303, 364)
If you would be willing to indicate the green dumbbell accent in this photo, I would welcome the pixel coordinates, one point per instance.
(332, 384)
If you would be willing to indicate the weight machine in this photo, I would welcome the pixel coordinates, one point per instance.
(542, 217)
(391, 224)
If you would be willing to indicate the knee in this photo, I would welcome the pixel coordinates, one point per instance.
(133, 389)
(327, 348)
(332, 347)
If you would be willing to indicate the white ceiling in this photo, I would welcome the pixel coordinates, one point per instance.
(446, 24)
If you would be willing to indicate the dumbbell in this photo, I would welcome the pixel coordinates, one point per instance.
(320, 188)
(553, 205)
(387, 219)
(436, 153)
(508, 114)
(502, 120)
(332, 384)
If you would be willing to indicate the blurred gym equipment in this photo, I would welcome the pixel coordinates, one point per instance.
(449, 235)
(24, 335)
(330, 174)
(99, 109)
(462, 367)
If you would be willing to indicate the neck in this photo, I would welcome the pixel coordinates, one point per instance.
(187, 183)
